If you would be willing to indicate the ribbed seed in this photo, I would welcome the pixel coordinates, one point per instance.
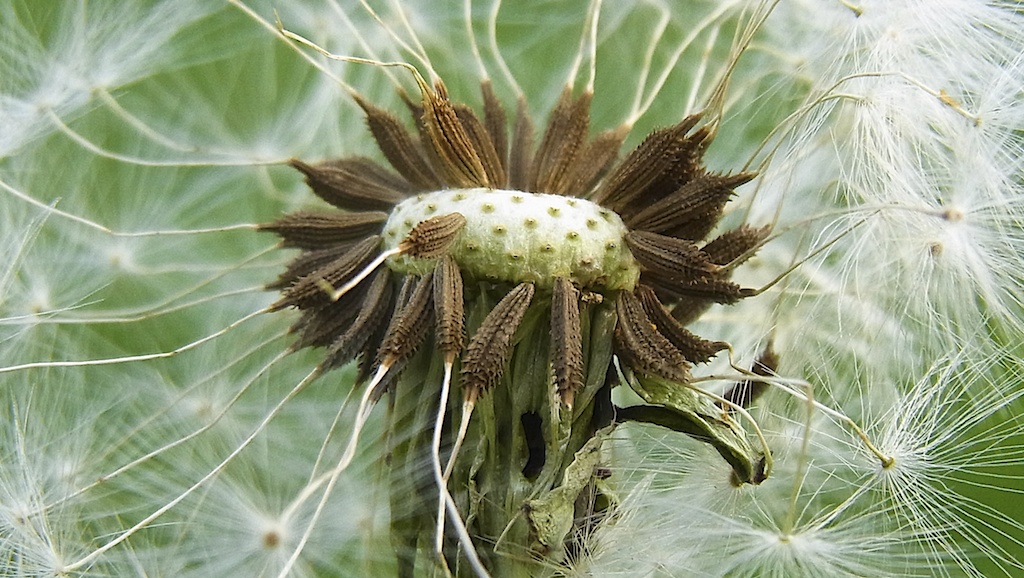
(372, 314)
(432, 237)
(488, 352)
(668, 257)
(496, 122)
(460, 164)
(564, 139)
(566, 339)
(308, 290)
(405, 292)
(400, 147)
(354, 184)
(643, 348)
(307, 262)
(315, 230)
(406, 333)
(594, 163)
(694, 206)
(685, 308)
(693, 348)
(731, 245)
(480, 141)
(521, 153)
(716, 290)
(321, 325)
(450, 327)
(654, 161)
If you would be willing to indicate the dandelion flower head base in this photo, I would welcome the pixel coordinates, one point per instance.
(527, 269)
(515, 237)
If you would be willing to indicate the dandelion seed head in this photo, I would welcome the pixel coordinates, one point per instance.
(914, 165)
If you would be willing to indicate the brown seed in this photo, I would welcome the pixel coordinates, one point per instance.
(354, 184)
(316, 230)
(320, 325)
(409, 326)
(566, 339)
(481, 142)
(372, 314)
(670, 258)
(685, 308)
(488, 352)
(403, 151)
(457, 160)
(368, 366)
(521, 154)
(308, 290)
(563, 141)
(703, 289)
(448, 307)
(693, 348)
(432, 237)
(594, 162)
(731, 245)
(653, 169)
(641, 346)
(496, 122)
(307, 262)
(692, 210)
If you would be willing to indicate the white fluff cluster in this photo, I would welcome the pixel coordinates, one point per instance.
(903, 160)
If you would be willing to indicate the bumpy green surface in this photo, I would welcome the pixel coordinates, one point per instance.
(515, 236)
